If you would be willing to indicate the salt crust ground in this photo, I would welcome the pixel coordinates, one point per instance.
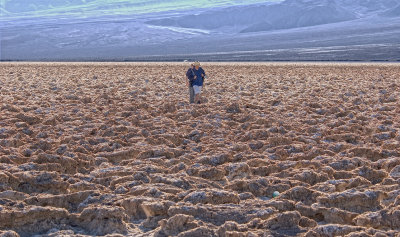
(115, 149)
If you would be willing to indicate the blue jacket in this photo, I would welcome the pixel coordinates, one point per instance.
(190, 75)
(200, 79)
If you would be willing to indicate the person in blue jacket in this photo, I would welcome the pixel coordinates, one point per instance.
(199, 75)
(190, 78)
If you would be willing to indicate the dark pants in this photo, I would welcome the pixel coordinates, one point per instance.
(191, 94)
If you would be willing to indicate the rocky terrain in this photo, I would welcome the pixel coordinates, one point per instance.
(115, 149)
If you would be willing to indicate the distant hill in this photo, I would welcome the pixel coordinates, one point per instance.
(214, 19)
(200, 29)
(284, 15)
(395, 12)
(366, 7)
(301, 13)
(29, 6)
(106, 7)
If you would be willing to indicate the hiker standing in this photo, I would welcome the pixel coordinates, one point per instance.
(198, 82)
(190, 78)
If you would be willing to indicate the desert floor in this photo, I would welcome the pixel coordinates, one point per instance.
(115, 148)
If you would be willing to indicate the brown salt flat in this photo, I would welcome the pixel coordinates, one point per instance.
(115, 149)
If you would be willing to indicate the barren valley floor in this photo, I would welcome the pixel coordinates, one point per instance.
(115, 149)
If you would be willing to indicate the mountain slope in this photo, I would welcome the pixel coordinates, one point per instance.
(395, 12)
(28, 6)
(366, 7)
(285, 15)
(295, 13)
(214, 19)
(107, 7)
(290, 30)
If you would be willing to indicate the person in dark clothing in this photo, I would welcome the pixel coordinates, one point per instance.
(189, 82)
(198, 82)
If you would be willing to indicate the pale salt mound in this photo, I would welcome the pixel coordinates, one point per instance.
(115, 149)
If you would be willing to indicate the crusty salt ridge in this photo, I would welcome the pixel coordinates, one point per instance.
(115, 149)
